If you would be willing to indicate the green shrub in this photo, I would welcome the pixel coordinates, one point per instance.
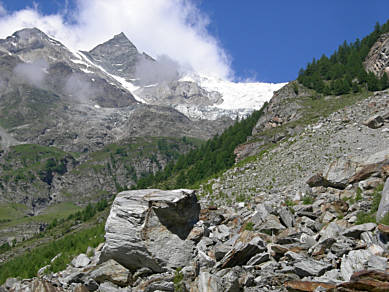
(179, 286)
(289, 203)
(308, 200)
(385, 220)
(365, 217)
(249, 226)
(376, 198)
(358, 196)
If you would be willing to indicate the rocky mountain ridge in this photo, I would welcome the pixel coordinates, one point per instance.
(37, 70)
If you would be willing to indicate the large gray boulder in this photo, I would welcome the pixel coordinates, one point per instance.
(383, 208)
(148, 228)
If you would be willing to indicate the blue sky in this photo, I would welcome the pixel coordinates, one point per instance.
(269, 40)
(274, 39)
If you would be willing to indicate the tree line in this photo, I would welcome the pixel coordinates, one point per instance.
(214, 156)
(343, 71)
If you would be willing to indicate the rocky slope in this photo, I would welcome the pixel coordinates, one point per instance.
(271, 245)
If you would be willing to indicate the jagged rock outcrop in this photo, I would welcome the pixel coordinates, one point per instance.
(377, 61)
(282, 108)
(149, 228)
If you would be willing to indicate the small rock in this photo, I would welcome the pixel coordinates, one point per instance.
(221, 250)
(376, 250)
(355, 261)
(384, 203)
(111, 271)
(286, 217)
(271, 226)
(309, 267)
(259, 259)
(209, 283)
(306, 286)
(374, 122)
(245, 247)
(356, 230)
(80, 261)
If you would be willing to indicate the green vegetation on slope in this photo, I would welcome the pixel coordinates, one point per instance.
(27, 265)
(216, 155)
(33, 164)
(343, 71)
(370, 216)
(120, 163)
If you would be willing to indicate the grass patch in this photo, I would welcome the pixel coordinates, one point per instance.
(59, 211)
(308, 200)
(11, 211)
(249, 226)
(367, 217)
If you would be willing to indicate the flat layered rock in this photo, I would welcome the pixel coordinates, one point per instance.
(357, 230)
(366, 281)
(339, 173)
(306, 286)
(309, 267)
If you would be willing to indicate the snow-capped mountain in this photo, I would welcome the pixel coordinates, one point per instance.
(50, 94)
(196, 96)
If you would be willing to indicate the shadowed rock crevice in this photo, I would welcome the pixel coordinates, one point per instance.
(179, 218)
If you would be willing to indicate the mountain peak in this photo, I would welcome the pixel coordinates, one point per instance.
(121, 36)
(118, 41)
(117, 56)
(30, 32)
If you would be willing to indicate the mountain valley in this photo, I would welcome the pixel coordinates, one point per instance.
(118, 172)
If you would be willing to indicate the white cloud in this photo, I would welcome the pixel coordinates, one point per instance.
(3, 11)
(175, 28)
(33, 73)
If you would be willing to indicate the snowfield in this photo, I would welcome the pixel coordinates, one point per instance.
(237, 95)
